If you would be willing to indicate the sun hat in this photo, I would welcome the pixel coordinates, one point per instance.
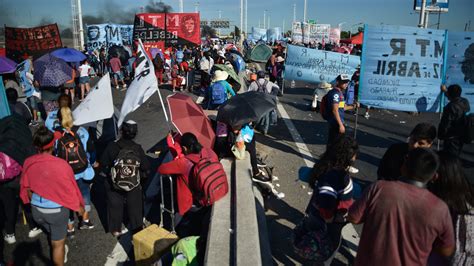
(280, 59)
(220, 75)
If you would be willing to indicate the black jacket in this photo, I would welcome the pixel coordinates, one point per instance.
(452, 121)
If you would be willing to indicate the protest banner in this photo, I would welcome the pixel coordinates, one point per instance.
(335, 35)
(297, 32)
(274, 34)
(402, 68)
(306, 32)
(96, 36)
(98, 104)
(105, 35)
(460, 63)
(4, 108)
(315, 66)
(143, 85)
(167, 29)
(319, 33)
(23, 42)
(258, 34)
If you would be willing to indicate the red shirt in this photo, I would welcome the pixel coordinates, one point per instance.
(115, 64)
(181, 166)
(402, 224)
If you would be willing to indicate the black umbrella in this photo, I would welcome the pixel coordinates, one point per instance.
(246, 107)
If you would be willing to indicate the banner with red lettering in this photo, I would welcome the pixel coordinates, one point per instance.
(23, 42)
(159, 30)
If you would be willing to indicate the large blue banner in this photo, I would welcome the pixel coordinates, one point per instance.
(258, 34)
(316, 66)
(274, 34)
(402, 68)
(4, 108)
(460, 63)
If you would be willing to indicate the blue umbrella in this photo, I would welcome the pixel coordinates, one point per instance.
(51, 71)
(69, 54)
(6, 65)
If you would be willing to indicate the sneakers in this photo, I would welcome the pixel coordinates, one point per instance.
(367, 115)
(66, 251)
(71, 233)
(85, 225)
(34, 232)
(10, 238)
(118, 234)
(261, 177)
(261, 165)
(34, 123)
(353, 170)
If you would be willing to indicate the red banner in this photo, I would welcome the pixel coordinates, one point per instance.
(23, 42)
(167, 29)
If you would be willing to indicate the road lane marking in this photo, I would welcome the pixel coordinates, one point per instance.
(349, 233)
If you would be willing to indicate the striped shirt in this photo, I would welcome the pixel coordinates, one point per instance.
(333, 193)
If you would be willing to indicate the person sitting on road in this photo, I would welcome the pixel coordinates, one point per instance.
(52, 193)
(86, 174)
(403, 221)
(318, 94)
(219, 91)
(454, 189)
(330, 201)
(422, 136)
(117, 195)
(234, 142)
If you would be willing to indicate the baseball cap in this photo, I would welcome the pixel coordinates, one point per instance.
(343, 78)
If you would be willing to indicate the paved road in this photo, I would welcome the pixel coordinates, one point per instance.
(289, 157)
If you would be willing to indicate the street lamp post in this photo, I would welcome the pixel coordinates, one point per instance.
(220, 16)
(304, 11)
(264, 18)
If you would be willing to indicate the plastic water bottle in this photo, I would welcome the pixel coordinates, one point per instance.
(40, 119)
(292, 85)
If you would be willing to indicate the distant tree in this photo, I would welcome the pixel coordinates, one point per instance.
(237, 31)
(345, 34)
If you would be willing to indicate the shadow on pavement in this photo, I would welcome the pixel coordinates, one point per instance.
(25, 251)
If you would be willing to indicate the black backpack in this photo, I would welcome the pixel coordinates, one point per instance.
(126, 170)
(469, 128)
(69, 147)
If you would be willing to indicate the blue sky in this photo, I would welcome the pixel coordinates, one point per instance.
(398, 12)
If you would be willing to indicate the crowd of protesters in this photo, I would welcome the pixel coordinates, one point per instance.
(421, 198)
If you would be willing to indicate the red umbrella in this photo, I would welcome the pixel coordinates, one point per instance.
(187, 116)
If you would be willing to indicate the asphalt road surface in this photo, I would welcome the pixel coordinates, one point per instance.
(292, 147)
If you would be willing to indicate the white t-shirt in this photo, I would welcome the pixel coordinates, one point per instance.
(84, 69)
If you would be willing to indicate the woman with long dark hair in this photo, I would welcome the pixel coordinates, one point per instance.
(318, 236)
(455, 190)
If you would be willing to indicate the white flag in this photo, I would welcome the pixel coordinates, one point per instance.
(142, 87)
(98, 104)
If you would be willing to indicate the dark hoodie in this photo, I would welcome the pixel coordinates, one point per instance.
(452, 121)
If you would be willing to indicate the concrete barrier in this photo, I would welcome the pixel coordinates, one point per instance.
(238, 233)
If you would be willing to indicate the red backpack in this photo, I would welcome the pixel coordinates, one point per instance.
(208, 180)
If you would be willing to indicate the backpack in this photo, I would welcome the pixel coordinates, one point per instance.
(185, 251)
(126, 170)
(323, 108)
(262, 87)
(69, 147)
(9, 168)
(469, 128)
(209, 181)
(218, 93)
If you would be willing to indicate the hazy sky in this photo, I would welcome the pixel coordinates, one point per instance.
(398, 12)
